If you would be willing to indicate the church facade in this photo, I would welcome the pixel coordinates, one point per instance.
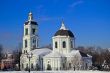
(63, 55)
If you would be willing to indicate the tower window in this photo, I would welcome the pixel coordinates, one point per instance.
(56, 45)
(69, 65)
(25, 43)
(34, 41)
(64, 44)
(32, 66)
(22, 66)
(33, 31)
(24, 51)
(26, 31)
(27, 66)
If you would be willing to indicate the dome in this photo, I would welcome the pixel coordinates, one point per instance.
(62, 32)
(31, 22)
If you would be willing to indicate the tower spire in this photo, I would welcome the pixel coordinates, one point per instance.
(63, 26)
(30, 17)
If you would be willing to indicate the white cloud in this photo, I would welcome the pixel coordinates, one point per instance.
(46, 18)
(76, 3)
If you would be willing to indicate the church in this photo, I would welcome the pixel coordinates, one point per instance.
(62, 56)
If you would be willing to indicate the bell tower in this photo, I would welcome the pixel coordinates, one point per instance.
(30, 37)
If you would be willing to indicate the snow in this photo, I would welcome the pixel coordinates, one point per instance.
(54, 54)
(72, 53)
(109, 49)
(41, 51)
(55, 72)
(89, 55)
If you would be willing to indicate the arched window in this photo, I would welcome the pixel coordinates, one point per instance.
(64, 44)
(27, 66)
(63, 65)
(32, 66)
(69, 65)
(33, 31)
(56, 45)
(22, 66)
(49, 67)
(24, 51)
(34, 41)
(25, 43)
(26, 31)
(86, 66)
(37, 67)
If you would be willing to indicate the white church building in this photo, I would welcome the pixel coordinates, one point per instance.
(62, 56)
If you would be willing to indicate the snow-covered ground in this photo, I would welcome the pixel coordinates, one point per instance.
(55, 72)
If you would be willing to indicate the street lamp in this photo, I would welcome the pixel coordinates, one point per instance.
(29, 55)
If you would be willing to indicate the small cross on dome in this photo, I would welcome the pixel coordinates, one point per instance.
(63, 26)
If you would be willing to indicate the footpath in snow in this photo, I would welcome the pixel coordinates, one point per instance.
(55, 72)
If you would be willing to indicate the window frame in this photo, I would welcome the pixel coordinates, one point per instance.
(26, 31)
(22, 65)
(26, 43)
(56, 44)
(64, 44)
(32, 66)
(33, 31)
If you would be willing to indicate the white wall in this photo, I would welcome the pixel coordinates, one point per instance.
(59, 40)
(55, 62)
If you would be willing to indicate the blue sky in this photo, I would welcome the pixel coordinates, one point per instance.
(89, 20)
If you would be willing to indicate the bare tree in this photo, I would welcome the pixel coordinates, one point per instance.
(76, 62)
(1, 52)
